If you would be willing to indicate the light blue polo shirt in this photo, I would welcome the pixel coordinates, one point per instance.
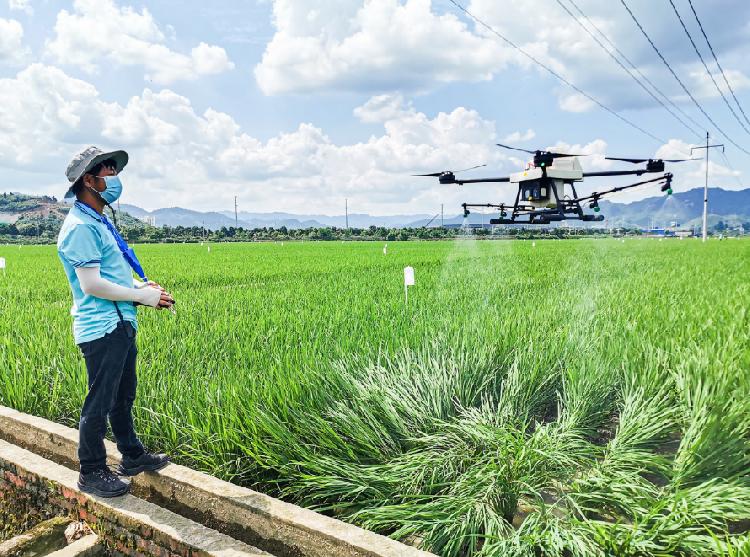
(85, 241)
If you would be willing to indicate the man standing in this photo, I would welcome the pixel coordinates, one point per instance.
(104, 320)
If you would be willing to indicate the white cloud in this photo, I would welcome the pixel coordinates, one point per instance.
(594, 152)
(705, 88)
(127, 37)
(694, 172)
(12, 50)
(569, 50)
(181, 157)
(380, 108)
(373, 45)
(201, 160)
(576, 103)
(43, 109)
(407, 45)
(517, 136)
(21, 5)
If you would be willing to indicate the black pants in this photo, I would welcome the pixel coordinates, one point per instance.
(110, 364)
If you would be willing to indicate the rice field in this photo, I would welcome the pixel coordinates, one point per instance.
(581, 398)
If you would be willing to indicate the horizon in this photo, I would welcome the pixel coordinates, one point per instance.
(351, 214)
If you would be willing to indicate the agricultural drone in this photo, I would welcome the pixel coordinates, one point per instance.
(546, 190)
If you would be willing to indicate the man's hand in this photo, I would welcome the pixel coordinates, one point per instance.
(166, 301)
(153, 284)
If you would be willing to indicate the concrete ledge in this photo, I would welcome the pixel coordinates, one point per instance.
(45, 537)
(87, 546)
(117, 517)
(281, 528)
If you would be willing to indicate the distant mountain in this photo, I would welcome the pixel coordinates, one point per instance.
(685, 208)
(356, 220)
(176, 216)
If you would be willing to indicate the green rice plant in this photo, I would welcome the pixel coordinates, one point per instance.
(578, 398)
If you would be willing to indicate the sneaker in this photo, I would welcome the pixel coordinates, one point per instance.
(103, 483)
(147, 462)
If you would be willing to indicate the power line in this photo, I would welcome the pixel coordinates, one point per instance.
(554, 73)
(617, 61)
(635, 68)
(708, 71)
(717, 61)
(687, 91)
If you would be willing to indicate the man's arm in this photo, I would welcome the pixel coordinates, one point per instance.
(94, 285)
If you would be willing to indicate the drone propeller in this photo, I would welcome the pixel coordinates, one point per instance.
(539, 151)
(638, 161)
(438, 174)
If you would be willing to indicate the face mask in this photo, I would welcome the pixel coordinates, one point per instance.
(113, 191)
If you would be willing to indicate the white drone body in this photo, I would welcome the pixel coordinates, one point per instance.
(536, 182)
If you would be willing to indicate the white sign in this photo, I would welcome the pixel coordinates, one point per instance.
(2, 263)
(408, 281)
(408, 276)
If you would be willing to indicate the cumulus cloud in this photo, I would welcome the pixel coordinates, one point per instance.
(517, 136)
(380, 108)
(389, 45)
(183, 157)
(565, 46)
(575, 103)
(694, 172)
(21, 5)
(202, 159)
(12, 49)
(126, 37)
(372, 45)
(594, 153)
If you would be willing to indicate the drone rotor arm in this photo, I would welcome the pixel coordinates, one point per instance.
(483, 180)
(515, 148)
(609, 173)
(638, 161)
(667, 178)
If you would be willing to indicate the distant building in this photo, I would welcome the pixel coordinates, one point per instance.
(148, 219)
(667, 232)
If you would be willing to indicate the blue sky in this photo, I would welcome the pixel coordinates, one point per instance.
(296, 106)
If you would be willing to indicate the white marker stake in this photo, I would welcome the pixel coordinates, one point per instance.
(533, 244)
(2, 264)
(385, 249)
(209, 249)
(408, 281)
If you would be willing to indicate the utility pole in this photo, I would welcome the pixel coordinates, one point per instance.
(442, 219)
(705, 187)
(346, 211)
(235, 212)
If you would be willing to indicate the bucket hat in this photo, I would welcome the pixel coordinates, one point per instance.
(88, 159)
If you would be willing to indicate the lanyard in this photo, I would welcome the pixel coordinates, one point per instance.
(127, 252)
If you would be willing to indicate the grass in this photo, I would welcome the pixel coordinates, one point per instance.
(579, 398)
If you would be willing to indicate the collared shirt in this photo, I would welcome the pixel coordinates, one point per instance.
(85, 241)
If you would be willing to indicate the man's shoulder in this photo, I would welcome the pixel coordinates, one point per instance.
(77, 222)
